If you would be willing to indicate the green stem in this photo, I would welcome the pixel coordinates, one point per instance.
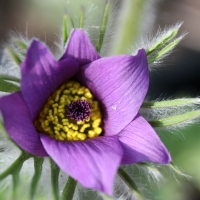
(16, 181)
(103, 27)
(38, 161)
(129, 25)
(69, 189)
(16, 165)
(54, 179)
(130, 183)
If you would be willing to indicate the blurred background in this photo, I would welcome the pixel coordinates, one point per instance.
(178, 76)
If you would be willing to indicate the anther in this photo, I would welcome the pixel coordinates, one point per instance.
(70, 113)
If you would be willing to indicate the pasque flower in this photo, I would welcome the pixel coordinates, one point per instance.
(82, 111)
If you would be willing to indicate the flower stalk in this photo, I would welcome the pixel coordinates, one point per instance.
(69, 189)
(38, 161)
(54, 179)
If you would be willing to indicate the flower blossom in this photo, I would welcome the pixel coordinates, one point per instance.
(82, 111)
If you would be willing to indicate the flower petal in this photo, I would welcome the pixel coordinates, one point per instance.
(18, 124)
(41, 75)
(93, 162)
(80, 48)
(120, 83)
(141, 143)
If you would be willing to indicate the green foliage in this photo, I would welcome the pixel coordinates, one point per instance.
(22, 45)
(69, 189)
(65, 30)
(6, 86)
(170, 103)
(164, 51)
(130, 183)
(175, 120)
(164, 39)
(103, 27)
(14, 55)
(81, 17)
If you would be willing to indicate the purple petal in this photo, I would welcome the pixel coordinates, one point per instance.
(141, 143)
(120, 83)
(41, 75)
(80, 48)
(93, 162)
(18, 124)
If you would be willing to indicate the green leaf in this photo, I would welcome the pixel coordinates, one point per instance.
(6, 86)
(164, 50)
(6, 77)
(71, 21)
(65, 30)
(150, 170)
(81, 17)
(103, 27)
(174, 120)
(69, 189)
(14, 55)
(130, 183)
(164, 39)
(22, 45)
(177, 171)
(170, 103)
(3, 130)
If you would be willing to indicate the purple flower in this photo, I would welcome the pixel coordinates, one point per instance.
(118, 83)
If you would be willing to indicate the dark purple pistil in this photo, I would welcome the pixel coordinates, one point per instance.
(79, 110)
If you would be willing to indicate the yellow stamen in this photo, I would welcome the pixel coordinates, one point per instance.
(53, 119)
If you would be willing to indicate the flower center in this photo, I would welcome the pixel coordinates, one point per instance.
(70, 113)
(79, 110)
